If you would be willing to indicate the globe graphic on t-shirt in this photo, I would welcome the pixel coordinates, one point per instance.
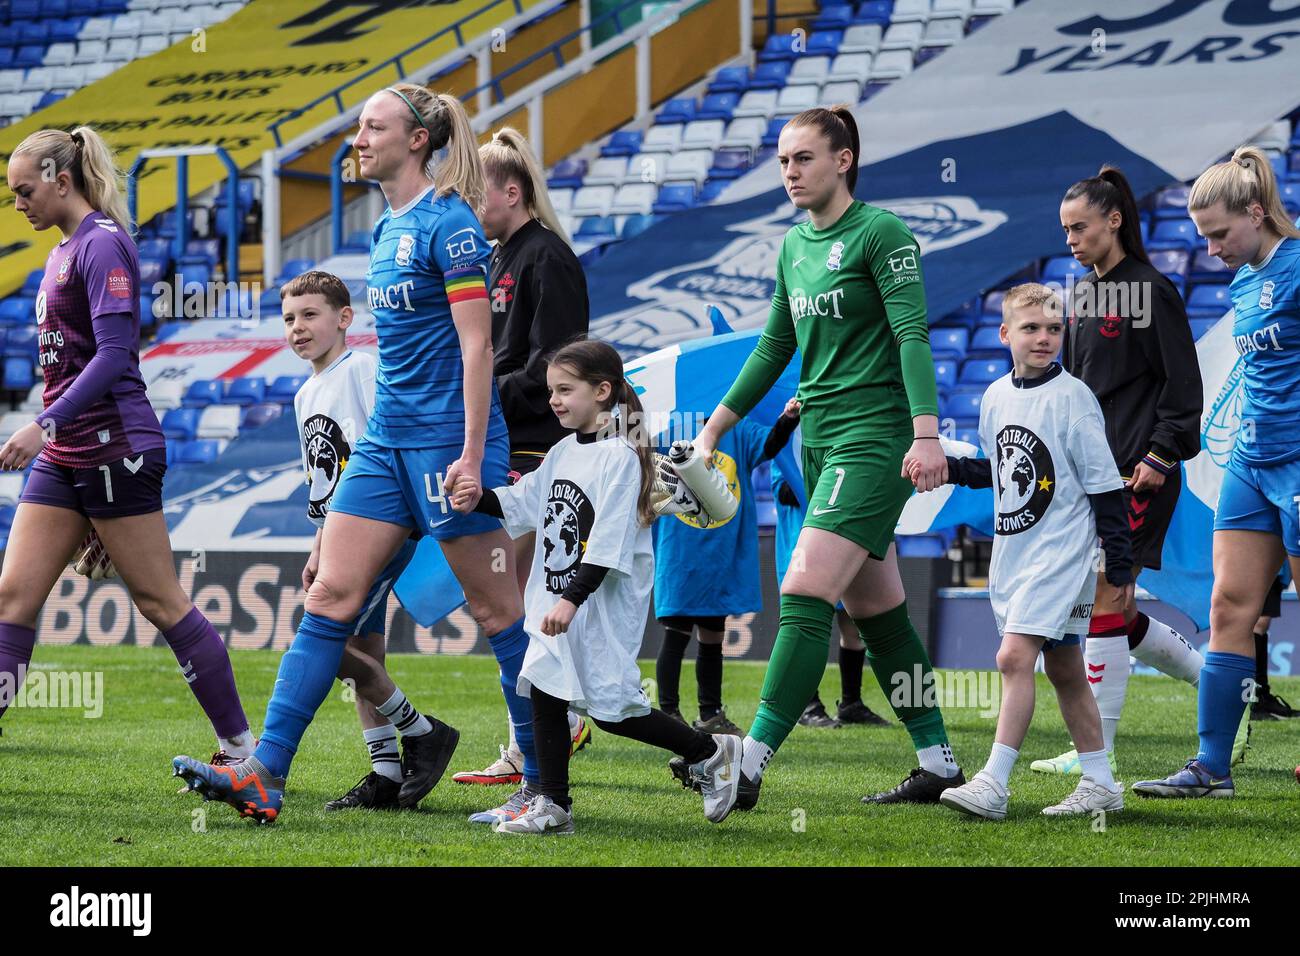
(1016, 478)
(560, 537)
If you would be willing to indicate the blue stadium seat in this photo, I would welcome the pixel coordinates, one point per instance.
(729, 163)
(1057, 268)
(294, 268)
(826, 43)
(963, 403)
(180, 424)
(945, 373)
(568, 174)
(1210, 298)
(717, 106)
(147, 317)
(1171, 203)
(198, 452)
(922, 545)
(151, 271)
(597, 229)
(1208, 268)
(679, 110)
(269, 303)
(4, 339)
(32, 284)
(284, 388)
(971, 435)
(968, 315)
(987, 338)
(155, 249)
(874, 11)
(34, 32)
(29, 56)
(194, 270)
(624, 142)
(255, 416)
(712, 189)
(949, 342)
(774, 126)
(771, 75)
(1174, 234)
(1201, 326)
(246, 391)
(674, 197)
(635, 225)
(20, 342)
(834, 16)
(1170, 261)
(6, 56)
(730, 79)
(15, 311)
(209, 249)
(779, 46)
(18, 374)
(993, 302)
(202, 393)
(171, 454)
(66, 30)
(982, 371)
(49, 98)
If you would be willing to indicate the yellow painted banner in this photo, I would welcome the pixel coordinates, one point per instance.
(227, 85)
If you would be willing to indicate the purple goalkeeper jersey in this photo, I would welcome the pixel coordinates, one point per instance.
(94, 273)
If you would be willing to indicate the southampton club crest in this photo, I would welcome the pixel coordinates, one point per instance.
(327, 455)
(566, 527)
(1025, 480)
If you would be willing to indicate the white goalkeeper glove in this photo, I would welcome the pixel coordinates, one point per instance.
(92, 560)
(670, 496)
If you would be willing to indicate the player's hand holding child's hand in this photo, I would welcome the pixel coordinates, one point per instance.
(559, 618)
(465, 495)
(925, 464)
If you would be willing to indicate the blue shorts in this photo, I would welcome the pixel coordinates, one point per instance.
(374, 612)
(403, 486)
(1261, 498)
(1065, 640)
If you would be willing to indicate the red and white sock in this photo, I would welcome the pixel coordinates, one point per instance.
(1106, 664)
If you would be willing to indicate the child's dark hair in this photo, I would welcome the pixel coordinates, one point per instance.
(840, 129)
(325, 284)
(594, 362)
(1107, 192)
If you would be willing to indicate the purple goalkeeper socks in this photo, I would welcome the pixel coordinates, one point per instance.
(205, 665)
(16, 644)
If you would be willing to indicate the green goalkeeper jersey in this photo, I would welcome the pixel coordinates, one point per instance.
(851, 299)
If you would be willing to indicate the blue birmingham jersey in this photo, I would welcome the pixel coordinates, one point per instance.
(424, 257)
(1266, 333)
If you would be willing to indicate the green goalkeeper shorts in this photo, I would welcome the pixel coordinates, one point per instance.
(855, 489)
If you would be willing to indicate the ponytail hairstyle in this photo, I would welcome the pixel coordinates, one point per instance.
(1108, 192)
(1245, 179)
(594, 361)
(507, 158)
(89, 161)
(839, 128)
(445, 120)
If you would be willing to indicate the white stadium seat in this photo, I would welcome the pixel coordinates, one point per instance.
(1275, 136)
(746, 131)
(992, 8)
(943, 31)
(91, 51)
(796, 99)
(219, 421)
(646, 168)
(562, 200)
(692, 165)
(891, 65)
(15, 104)
(127, 25)
(60, 54)
(150, 45)
(951, 8)
(634, 199)
(146, 6)
(662, 139)
(122, 50)
(757, 103)
(165, 395)
(606, 171)
(11, 81)
(910, 11)
(97, 71)
(703, 134)
(11, 486)
(841, 91)
(862, 38)
(10, 422)
(809, 70)
(593, 201)
(35, 400)
(38, 80)
(852, 66)
(96, 28)
(903, 36)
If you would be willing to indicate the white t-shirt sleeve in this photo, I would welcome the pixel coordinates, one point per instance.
(521, 502)
(1090, 452)
(298, 417)
(612, 543)
(365, 387)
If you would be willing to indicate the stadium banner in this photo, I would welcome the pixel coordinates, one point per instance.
(975, 152)
(227, 84)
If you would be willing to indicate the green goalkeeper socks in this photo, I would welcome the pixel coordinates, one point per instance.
(901, 665)
(796, 668)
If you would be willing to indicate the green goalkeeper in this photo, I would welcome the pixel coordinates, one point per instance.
(849, 297)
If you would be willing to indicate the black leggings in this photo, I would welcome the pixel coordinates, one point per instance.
(551, 738)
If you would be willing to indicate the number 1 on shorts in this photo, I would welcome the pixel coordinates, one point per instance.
(108, 483)
(839, 480)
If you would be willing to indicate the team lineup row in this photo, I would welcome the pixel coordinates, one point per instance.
(476, 386)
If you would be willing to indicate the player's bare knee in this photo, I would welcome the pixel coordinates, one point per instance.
(327, 600)
(15, 608)
(493, 616)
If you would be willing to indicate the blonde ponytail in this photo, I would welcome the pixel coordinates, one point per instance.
(90, 162)
(1245, 179)
(445, 120)
(507, 158)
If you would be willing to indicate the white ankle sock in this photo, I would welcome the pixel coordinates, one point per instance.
(241, 745)
(408, 721)
(1169, 652)
(1097, 766)
(754, 757)
(1001, 759)
(938, 760)
(384, 759)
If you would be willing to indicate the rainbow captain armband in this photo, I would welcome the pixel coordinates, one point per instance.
(1152, 460)
(465, 285)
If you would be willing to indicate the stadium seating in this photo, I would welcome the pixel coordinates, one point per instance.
(284, 388)
(202, 393)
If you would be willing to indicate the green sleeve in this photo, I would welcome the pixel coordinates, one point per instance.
(895, 261)
(776, 346)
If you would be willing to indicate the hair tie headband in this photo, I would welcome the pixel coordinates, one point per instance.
(418, 118)
(78, 140)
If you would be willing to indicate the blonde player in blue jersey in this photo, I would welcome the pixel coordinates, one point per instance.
(1237, 209)
(437, 418)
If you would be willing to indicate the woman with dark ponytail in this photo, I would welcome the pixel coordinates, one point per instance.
(849, 296)
(1129, 340)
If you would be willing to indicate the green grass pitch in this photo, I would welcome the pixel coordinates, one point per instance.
(76, 791)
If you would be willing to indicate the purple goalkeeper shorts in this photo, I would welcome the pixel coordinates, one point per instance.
(118, 489)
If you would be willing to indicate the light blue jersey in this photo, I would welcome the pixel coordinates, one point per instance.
(424, 257)
(1266, 332)
(707, 572)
